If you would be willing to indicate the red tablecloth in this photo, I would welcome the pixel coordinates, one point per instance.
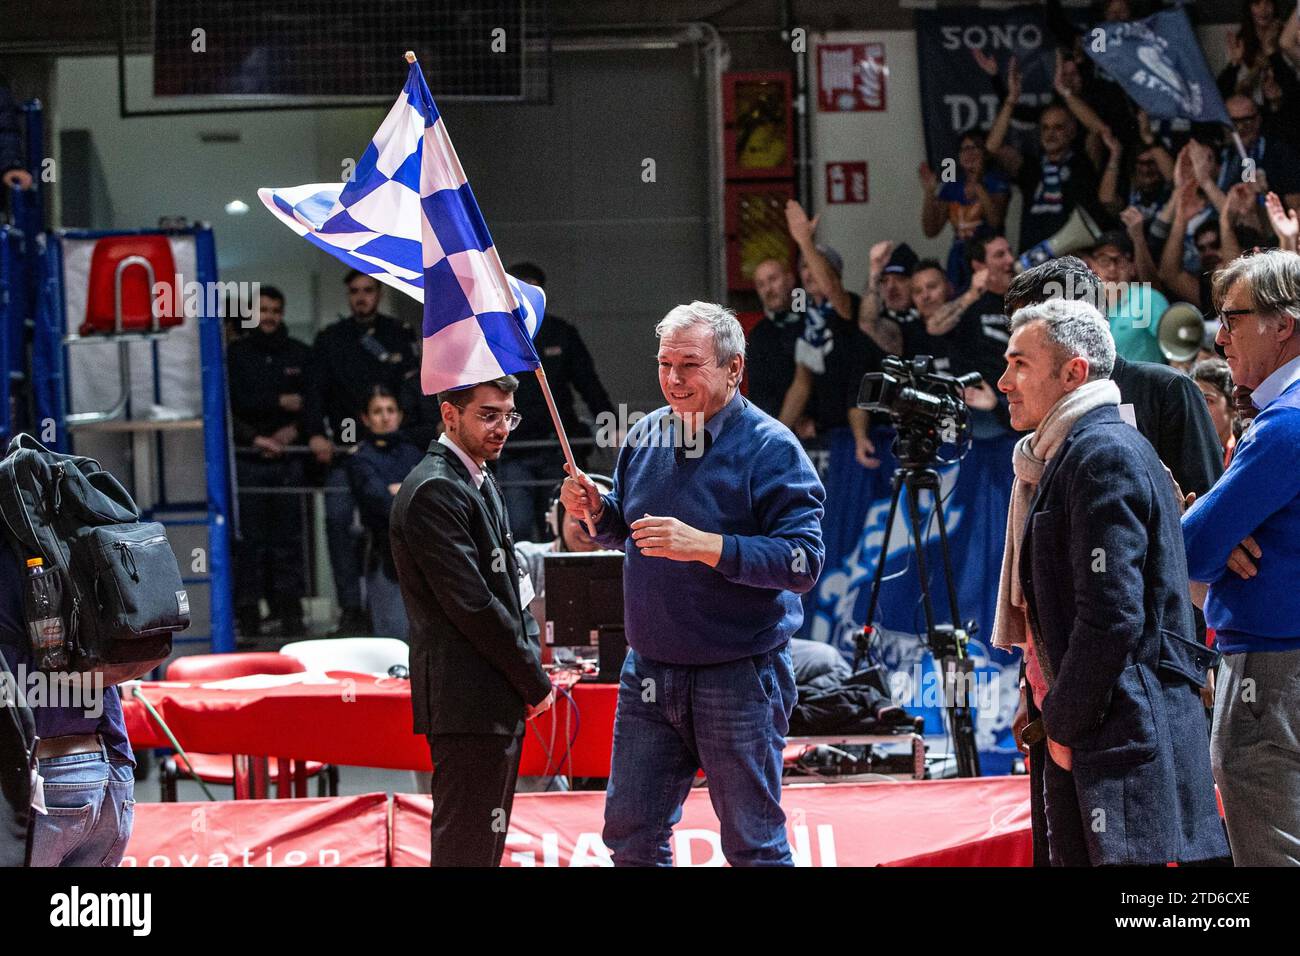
(354, 720)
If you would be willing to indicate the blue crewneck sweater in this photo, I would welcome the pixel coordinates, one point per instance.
(1259, 495)
(747, 479)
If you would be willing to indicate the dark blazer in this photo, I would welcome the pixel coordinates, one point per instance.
(475, 662)
(1171, 413)
(1105, 579)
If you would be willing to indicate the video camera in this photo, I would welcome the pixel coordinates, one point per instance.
(927, 407)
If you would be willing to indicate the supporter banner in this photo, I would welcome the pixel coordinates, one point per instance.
(1160, 65)
(327, 831)
(955, 93)
(976, 495)
(961, 822)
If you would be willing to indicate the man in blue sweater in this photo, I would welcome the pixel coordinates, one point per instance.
(1253, 512)
(719, 512)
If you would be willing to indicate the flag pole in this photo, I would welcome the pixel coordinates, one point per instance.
(495, 259)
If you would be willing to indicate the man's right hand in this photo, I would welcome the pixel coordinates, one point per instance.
(535, 710)
(580, 497)
(865, 452)
(322, 448)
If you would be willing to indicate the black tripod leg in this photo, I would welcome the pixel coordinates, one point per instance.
(879, 575)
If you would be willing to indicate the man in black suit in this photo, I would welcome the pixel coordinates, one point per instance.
(476, 672)
(1169, 408)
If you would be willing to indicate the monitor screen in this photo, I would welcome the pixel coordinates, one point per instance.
(584, 595)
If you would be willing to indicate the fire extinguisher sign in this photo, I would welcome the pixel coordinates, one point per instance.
(851, 77)
(846, 182)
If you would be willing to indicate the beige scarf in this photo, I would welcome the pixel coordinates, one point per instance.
(1033, 452)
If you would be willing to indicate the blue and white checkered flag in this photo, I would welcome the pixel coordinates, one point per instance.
(409, 218)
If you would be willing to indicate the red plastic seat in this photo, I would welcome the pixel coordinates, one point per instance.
(219, 769)
(210, 667)
(137, 292)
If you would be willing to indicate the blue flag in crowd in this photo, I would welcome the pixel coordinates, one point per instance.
(1160, 65)
(409, 218)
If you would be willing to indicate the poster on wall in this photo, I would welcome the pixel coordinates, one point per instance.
(758, 129)
(851, 77)
(956, 93)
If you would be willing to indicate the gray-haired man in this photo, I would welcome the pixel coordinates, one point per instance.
(1243, 539)
(1094, 588)
(719, 512)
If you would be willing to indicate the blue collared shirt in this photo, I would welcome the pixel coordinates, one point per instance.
(1258, 496)
(747, 479)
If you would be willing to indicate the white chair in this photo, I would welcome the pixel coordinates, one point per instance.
(365, 655)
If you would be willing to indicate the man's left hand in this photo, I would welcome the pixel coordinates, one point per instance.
(671, 539)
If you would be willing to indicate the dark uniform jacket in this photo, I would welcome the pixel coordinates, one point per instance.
(348, 360)
(475, 662)
(1105, 580)
(261, 368)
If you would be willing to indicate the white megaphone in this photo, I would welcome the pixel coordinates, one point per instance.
(1079, 232)
(1181, 332)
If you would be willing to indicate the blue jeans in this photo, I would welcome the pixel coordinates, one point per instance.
(91, 803)
(729, 719)
(344, 541)
(387, 612)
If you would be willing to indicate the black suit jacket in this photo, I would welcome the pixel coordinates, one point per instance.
(1105, 581)
(474, 654)
(1171, 413)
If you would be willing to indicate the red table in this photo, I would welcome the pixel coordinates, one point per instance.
(353, 720)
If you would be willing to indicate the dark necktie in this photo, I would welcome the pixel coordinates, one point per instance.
(496, 507)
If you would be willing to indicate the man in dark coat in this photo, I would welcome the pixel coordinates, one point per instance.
(1095, 589)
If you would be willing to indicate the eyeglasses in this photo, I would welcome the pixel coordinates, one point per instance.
(1244, 120)
(1226, 317)
(493, 419)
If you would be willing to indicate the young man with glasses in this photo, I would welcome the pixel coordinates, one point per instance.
(1242, 538)
(476, 672)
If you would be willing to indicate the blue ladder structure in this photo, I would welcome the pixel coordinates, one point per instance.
(32, 297)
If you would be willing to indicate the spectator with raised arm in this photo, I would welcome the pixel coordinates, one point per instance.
(975, 203)
(1059, 178)
(1283, 222)
(1270, 162)
(1258, 66)
(886, 308)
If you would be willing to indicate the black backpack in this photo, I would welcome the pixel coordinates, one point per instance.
(122, 597)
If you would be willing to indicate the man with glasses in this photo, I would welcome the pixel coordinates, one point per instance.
(1242, 538)
(1273, 164)
(476, 672)
(1133, 309)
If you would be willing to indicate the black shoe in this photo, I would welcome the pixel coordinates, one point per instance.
(354, 622)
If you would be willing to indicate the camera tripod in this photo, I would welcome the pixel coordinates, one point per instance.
(947, 642)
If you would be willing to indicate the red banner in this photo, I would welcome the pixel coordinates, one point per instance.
(983, 822)
(328, 831)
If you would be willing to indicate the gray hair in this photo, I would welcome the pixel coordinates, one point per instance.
(728, 336)
(1077, 330)
(1273, 278)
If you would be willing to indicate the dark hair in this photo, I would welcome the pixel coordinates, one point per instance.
(1215, 372)
(1065, 278)
(974, 133)
(929, 264)
(529, 272)
(354, 273)
(379, 391)
(460, 397)
(977, 247)
(1252, 46)
(271, 292)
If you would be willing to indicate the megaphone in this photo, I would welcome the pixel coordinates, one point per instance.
(1181, 332)
(1079, 232)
